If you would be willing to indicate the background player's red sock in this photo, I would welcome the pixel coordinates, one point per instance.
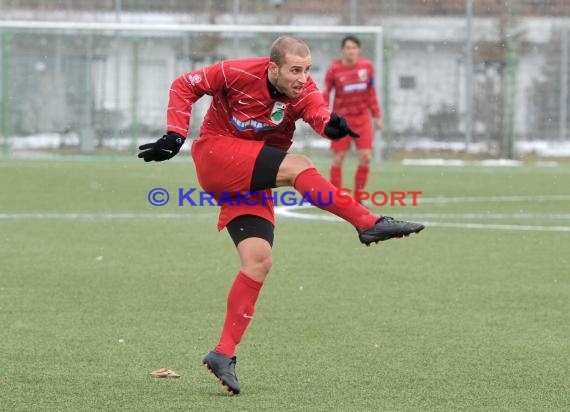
(311, 182)
(361, 177)
(240, 307)
(336, 176)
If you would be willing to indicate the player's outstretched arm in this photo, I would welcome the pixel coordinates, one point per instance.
(164, 148)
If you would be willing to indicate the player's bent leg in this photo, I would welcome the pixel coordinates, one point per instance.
(371, 228)
(298, 171)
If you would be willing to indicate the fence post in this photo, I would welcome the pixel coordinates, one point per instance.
(508, 85)
(377, 154)
(6, 125)
(135, 93)
(469, 76)
(87, 136)
(386, 134)
(563, 117)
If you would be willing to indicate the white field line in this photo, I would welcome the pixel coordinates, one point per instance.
(283, 211)
(294, 212)
(499, 227)
(92, 216)
(297, 213)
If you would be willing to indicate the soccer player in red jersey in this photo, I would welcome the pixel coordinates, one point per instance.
(352, 79)
(242, 147)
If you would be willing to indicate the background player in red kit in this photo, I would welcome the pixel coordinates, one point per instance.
(243, 147)
(352, 79)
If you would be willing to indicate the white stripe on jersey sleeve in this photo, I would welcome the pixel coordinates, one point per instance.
(206, 77)
(243, 71)
(224, 73)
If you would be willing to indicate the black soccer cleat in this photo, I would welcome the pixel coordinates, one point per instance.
(388, 228)
(224, 368)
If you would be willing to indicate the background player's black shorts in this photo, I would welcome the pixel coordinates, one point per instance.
(246, 226)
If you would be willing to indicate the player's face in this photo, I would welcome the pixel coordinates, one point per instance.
(292, 75)
(350, 52)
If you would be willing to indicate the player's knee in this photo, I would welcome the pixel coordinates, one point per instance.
(258, 268)
(365, 159)
(338, 159)
(291, 166)
(265, 265)
(303, 162)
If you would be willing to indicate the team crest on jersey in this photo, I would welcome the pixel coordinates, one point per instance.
(278, 112)
(363, 75)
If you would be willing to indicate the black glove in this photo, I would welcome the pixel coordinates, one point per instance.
(163, 149)
(337, 127)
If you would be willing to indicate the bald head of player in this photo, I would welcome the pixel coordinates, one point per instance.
(289, 65)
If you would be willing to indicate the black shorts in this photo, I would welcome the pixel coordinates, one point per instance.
(266, 166)
(246, 226)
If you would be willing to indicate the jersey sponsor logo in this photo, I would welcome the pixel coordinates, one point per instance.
(363, 74)
(195, 79)
(251, 124)
(278, 112)
(355, 87)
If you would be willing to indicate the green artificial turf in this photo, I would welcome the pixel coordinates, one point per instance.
(98, 288)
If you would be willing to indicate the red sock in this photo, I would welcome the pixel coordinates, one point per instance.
(336, 176)
(240, 307)
(361, 177)
(310, 183)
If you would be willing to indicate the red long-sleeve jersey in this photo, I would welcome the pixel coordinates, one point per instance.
(242, 105)
(355, 93)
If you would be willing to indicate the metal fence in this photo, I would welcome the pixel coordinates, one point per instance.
(106, 86)
(483, 76)
(486, 77)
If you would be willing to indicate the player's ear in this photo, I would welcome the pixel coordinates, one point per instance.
(273, 68)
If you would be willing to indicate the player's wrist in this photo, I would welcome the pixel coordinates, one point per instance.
(172, 134)
(173, 140)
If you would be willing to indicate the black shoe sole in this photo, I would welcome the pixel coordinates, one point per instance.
(417, 232)
(220, 381)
